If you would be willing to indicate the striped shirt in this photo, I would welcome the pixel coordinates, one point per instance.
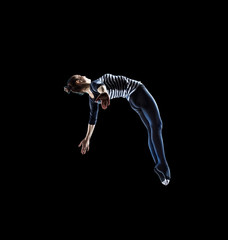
(117, 87)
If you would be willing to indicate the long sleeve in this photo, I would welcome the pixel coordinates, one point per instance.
(94, 109)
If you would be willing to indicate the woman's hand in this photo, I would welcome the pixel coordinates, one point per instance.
(105, 100)
(85, 145)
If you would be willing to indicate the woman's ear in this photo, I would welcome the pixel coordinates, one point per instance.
(78, 81)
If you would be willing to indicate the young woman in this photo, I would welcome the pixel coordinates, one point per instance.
(109, 86)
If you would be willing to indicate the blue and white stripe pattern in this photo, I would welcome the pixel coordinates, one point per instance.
(119, 86)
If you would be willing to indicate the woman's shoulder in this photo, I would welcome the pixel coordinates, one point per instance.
(95, 84)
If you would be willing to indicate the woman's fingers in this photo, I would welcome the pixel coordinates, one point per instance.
(105, 100)
(84, 148)
(105, 104)
(83, 151)
(99, 97)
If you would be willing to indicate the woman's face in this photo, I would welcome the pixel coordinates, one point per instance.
(82, 79)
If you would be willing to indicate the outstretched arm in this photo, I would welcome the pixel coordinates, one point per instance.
(105, 102)
(84, 144)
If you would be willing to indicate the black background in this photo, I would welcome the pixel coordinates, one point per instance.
(119, 164)
(157, 50)
(161, 47)
(112, 188)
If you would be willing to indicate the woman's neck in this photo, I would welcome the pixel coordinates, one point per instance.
(87, 90)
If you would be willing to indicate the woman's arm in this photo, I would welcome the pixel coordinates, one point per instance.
(105, 102)
(86, 141)
(102, 89)
(104, 97)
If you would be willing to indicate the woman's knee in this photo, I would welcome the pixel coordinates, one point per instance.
(157, 125)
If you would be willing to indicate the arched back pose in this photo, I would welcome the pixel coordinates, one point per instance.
(109, 86)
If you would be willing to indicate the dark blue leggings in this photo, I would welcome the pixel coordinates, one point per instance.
(144, 104)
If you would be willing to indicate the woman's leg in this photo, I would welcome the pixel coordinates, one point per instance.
(143, 103)
(161, 167)
(147, 125)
